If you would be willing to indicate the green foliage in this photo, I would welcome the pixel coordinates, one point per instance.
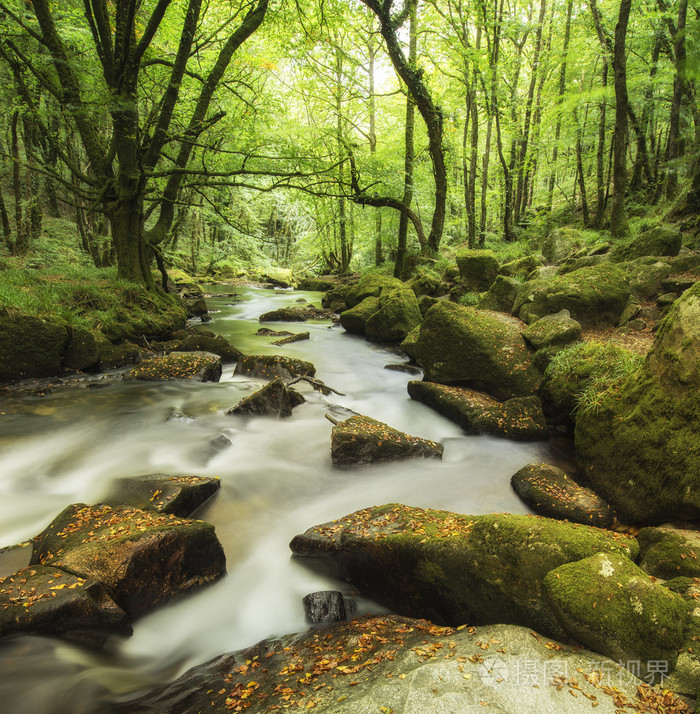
(469, 299)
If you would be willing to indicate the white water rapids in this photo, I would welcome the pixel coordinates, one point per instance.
(277, 481)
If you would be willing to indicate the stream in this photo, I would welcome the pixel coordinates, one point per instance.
(276, 481)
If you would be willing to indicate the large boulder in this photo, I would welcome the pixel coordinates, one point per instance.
(297, 313)
(669, 552)
(553, 330)
(473, 348)
(397, 315)
(370, 285)
(501, 295)
(205, 341)
(595, 296)
(82, 351)
(30, 347)
(397, 665)
(274, 399)
(362, 440)
(143, 558)
(520, 418)
(477, 269)
(639, 450)
(272, 366)
(355, 319)
(662, 240)
(551, 492)
(43, 600)
(561, 244)
(192, 366)
(521, 267)
(610, 605)
(452, 568)
(321, 283)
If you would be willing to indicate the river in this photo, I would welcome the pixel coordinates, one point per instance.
(277, 480)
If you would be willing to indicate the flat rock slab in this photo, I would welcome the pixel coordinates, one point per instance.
(451, 568)
(297, 313)
(271, 366)
(274, 399)
(298, 337)
(520, 418)
(43, 600)
(361, 440)
(393, 664)
(192, 366)
(670, 552)
(142, 558)
(551, 492)
(179, 495)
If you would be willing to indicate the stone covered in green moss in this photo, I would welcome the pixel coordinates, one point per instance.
(193, 366)
(205, 341)
(143, 558)
(424, 284)
(297, 313)
(521, 267)
(82, 351)
(398, 314)
(334, 299)
(362, 440)
(670, 552)
(370, 285)
(640, 449)
(520, 418)
(610, 605)
(477, 269)
(355, 319)
(595, 296)
(271, 400)
(271, 366)
(562, 243)
(451, 568)
(553, 330)
(473, 348)
(551, 492)
(501, 295)
(119, 355)
(662, 240)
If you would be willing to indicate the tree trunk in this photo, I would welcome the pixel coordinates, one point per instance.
(372, 52)
(675, 141)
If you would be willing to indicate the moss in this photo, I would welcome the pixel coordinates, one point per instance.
(369, 285)
(355, 319)
(397, 315)
(477, 268)
(668, 553)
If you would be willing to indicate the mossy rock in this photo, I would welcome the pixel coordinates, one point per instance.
(361, 440)
(553, 330)
(82, 351)
(204, 341)
(297, 313)
(334, 299)
(143, 558)
(408, 345)
(686, 677)
(662, 240)
(520, 418)
(425, 302)
(477, 269)
(323, 283)
(521, 267)
(370, 285)
(610, 605)
(646, 276)
(119, 355)
(49, 601)
(452, 568)
(501, 295)
(30, 347)
(397, 315)
(640, 450)
(472, 348)
(272, 366)
(595, 296)
(355, 319)
(424, 284)
(271, 400)
(561, 244)
(549, 491)
(584, 261)
(669, 552)
(179, 495)
(191, 366)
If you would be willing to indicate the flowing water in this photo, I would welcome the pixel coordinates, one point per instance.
(277, 480)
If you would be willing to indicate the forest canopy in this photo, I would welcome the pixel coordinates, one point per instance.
(337, 133)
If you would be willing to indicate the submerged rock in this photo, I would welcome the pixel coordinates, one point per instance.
(324, 606)
(549, 491)
(520, 418)
(179, 495)
(361, 440)
(274, 399)
(298, 337)
(142, 558)
(192, 366)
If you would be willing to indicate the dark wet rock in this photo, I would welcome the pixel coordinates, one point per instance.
(521, 267)
(267, 332)
(177, 414)
(405, 667)
(551, 492)
(324, 606)
(271, 366)
(355, 319)
(204, 341)
(370, 285)
(120, 355)
(274, 282)
(271, 400)
(639, 450)
(361, 440)
(218, 443)
(485, 569)
(473, 348)
(43, 600)
(14, 558)
(669, 552)
(610, 605)
(30, 347)
(561, 244)
(403, 367)
(298, 337)
(595, 296)
(82, 351)
(553, 330)
(477, 269)
(142, 558)
(192, 366)
(397, 315)
(656, 241)
(501, 295)
(297, 313)
(520, 418)
(179, 495)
